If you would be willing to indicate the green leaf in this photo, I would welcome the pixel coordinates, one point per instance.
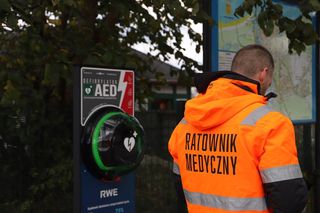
(289, 26)
(195, 8)
(173, 72)
(198, 48)
(178, 55)
(311, 39)
(307, 30)
(278, 9)
(69, 2)
(251, 2)
(286, 24)
(258, 2)
(246, 5)
(297, 46)
(262, 19)
(5, 5)
(51, 74)
(269, 28)
(12, 20)
(160, 77)
(11, 94)
(315, 5)
(107, 57)
(239, 12)
(55, 2)
(131, 63)
(92, 59)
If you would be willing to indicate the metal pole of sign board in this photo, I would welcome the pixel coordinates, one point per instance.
(206, 5)
(76, 138)
(317, 126)
(214, 36)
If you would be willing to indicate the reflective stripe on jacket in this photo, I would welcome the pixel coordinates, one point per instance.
(229, 146)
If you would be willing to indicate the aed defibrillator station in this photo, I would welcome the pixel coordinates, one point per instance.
(108, 140)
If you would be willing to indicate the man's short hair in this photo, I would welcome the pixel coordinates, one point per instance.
(250, 59)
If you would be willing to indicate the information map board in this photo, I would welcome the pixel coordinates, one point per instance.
(294, 75)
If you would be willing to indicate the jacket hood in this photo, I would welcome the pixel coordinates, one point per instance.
(226, 94)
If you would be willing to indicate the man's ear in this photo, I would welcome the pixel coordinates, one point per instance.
(263, 74)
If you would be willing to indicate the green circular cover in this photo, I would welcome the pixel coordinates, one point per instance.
(95, 140)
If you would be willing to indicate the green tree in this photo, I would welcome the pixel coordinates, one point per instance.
(299, 31)
(40, 41)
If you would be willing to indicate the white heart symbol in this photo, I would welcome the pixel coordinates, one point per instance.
(129, 143)
(88, 90)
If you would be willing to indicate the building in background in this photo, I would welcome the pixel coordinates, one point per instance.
(167, 97)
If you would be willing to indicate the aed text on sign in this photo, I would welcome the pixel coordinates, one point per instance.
(106, 90)
(211, 153)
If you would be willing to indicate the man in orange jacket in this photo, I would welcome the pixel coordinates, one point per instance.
(233, 153)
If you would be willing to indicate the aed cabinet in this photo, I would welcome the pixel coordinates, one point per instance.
(108, 140)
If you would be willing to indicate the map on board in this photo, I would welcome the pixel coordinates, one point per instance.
(292, 80)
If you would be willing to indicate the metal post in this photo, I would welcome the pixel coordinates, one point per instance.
(317, 127)
(307, 149)
(206, 5)
(76, 141)
(180, 109)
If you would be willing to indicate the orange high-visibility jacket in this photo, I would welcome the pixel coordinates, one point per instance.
(236, 154)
